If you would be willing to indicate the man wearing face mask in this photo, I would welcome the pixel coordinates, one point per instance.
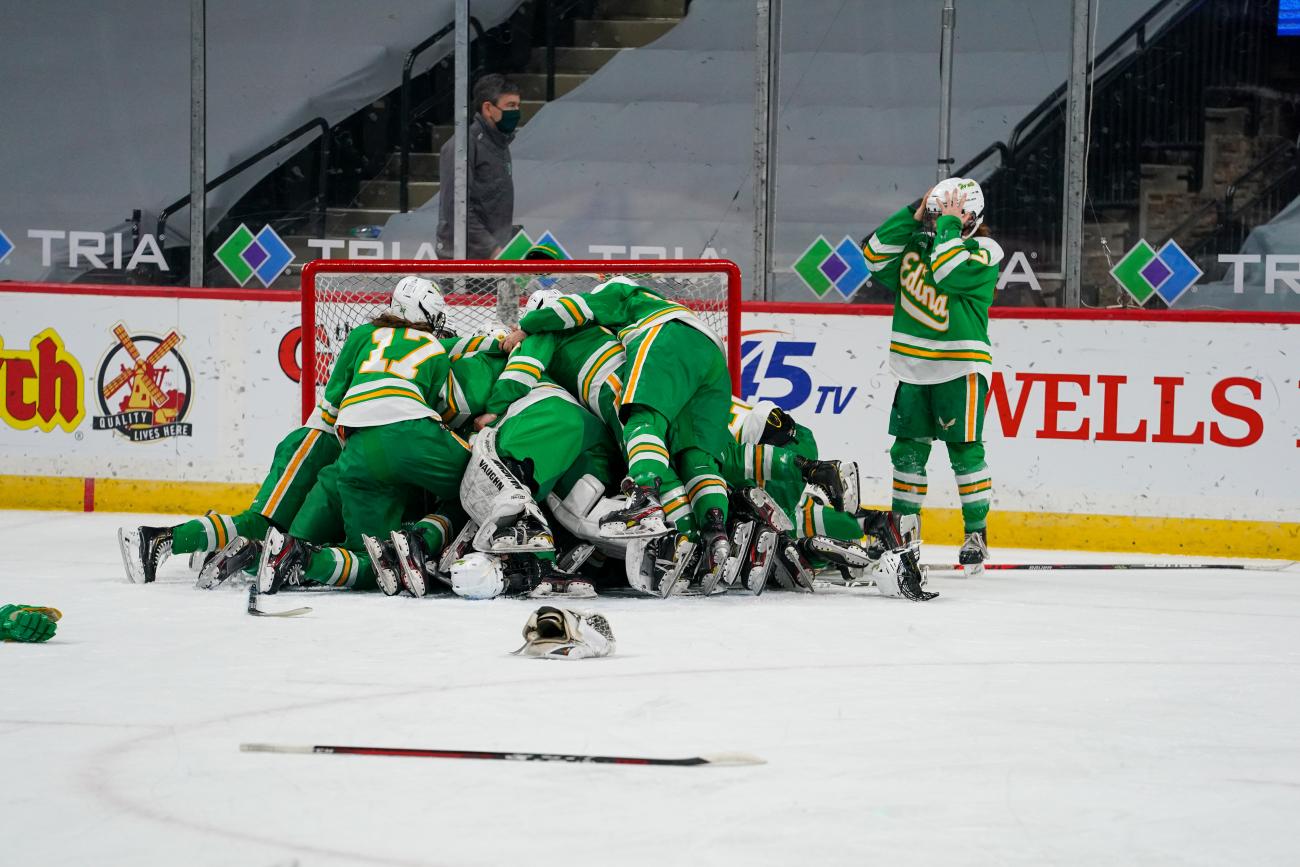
(491, 194)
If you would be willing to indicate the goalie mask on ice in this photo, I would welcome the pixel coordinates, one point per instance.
(973, 206)
(500, 503)
(418, 300)
(565, 633)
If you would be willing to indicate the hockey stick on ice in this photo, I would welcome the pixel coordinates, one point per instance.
(988, 567)
(732, 759)
(254, 610)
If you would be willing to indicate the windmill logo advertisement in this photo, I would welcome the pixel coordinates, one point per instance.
(144, 387)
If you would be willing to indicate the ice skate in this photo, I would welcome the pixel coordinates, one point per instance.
(238, 554)
(555, 583)
(851, 559)
(839, 479)
(525, 535)
(143, 550)
(282, 562)
(974, 551)
(723, 565)
(643, 517)
(792, 569)
(412, 562)
(384, 560)
(757, 565)
(760, 503)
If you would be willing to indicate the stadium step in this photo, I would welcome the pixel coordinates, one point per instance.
(641, 9)
(424, 167)
(338, 221)
(386, 193)
(621, 32)
(574, 59)
(532, 85)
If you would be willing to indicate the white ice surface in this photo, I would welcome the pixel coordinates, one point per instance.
(1020, 719)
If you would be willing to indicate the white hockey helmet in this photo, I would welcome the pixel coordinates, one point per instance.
(416, 299)
(974, 206)
(540, 298)
(478, 576)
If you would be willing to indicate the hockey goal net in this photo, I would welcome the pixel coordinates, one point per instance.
(484, 297)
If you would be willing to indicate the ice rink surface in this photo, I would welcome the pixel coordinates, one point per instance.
(1031, 718)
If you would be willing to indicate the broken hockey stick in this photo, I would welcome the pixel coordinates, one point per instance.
(256, 611)
(721, 759)
(988, 567)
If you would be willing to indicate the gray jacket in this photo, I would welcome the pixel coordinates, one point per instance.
(491, 197)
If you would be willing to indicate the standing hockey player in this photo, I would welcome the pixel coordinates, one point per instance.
(943, 268)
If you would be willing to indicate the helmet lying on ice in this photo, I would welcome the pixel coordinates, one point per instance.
(478, 576)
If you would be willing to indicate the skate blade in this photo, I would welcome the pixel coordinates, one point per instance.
(640, 566)
(535, 545)
(265, 581)
(756, 577)
(209, 577)
(385, 577)
(414, 578)
(673, 582)
(649, 529)
(971, 570)
(127, 541)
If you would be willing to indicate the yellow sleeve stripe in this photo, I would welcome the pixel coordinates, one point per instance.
(573, 309)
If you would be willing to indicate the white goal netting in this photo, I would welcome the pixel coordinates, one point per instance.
(482, 298)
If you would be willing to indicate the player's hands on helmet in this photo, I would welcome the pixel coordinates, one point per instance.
(953, 204)
(513, 339)
(484, 420)
(26, 623)
(919, 216)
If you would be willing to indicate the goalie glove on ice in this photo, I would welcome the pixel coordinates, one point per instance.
(566, 633)
(28, 623)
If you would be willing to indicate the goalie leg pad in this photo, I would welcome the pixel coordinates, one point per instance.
(580, 511)
(495, 498)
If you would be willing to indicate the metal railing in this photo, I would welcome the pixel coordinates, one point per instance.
(322, 178)
(555, 12)
(1149, 99)
(407, 115)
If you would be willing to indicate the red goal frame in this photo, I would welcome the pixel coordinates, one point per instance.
(390, 266)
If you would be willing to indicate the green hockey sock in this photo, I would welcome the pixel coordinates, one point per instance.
(644, 444)
(974, 484)
(213, 531)
(435, 530)
(704, 486)
(814, 519)
(677, 510)
(909, 457)
(339, 567)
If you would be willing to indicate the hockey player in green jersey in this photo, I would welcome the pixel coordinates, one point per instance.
(674, 407)
(943, 268)
(517, 461)
(384, 383)
(233, 541)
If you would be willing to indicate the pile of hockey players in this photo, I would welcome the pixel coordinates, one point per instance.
(596, 447)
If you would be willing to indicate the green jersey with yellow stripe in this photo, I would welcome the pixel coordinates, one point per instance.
(583, 362)
(384, 375)
(943, 293)
(622, 306)
(468, 387)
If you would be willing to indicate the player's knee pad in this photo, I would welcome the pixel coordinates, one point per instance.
(909, 455)
(966, 457)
